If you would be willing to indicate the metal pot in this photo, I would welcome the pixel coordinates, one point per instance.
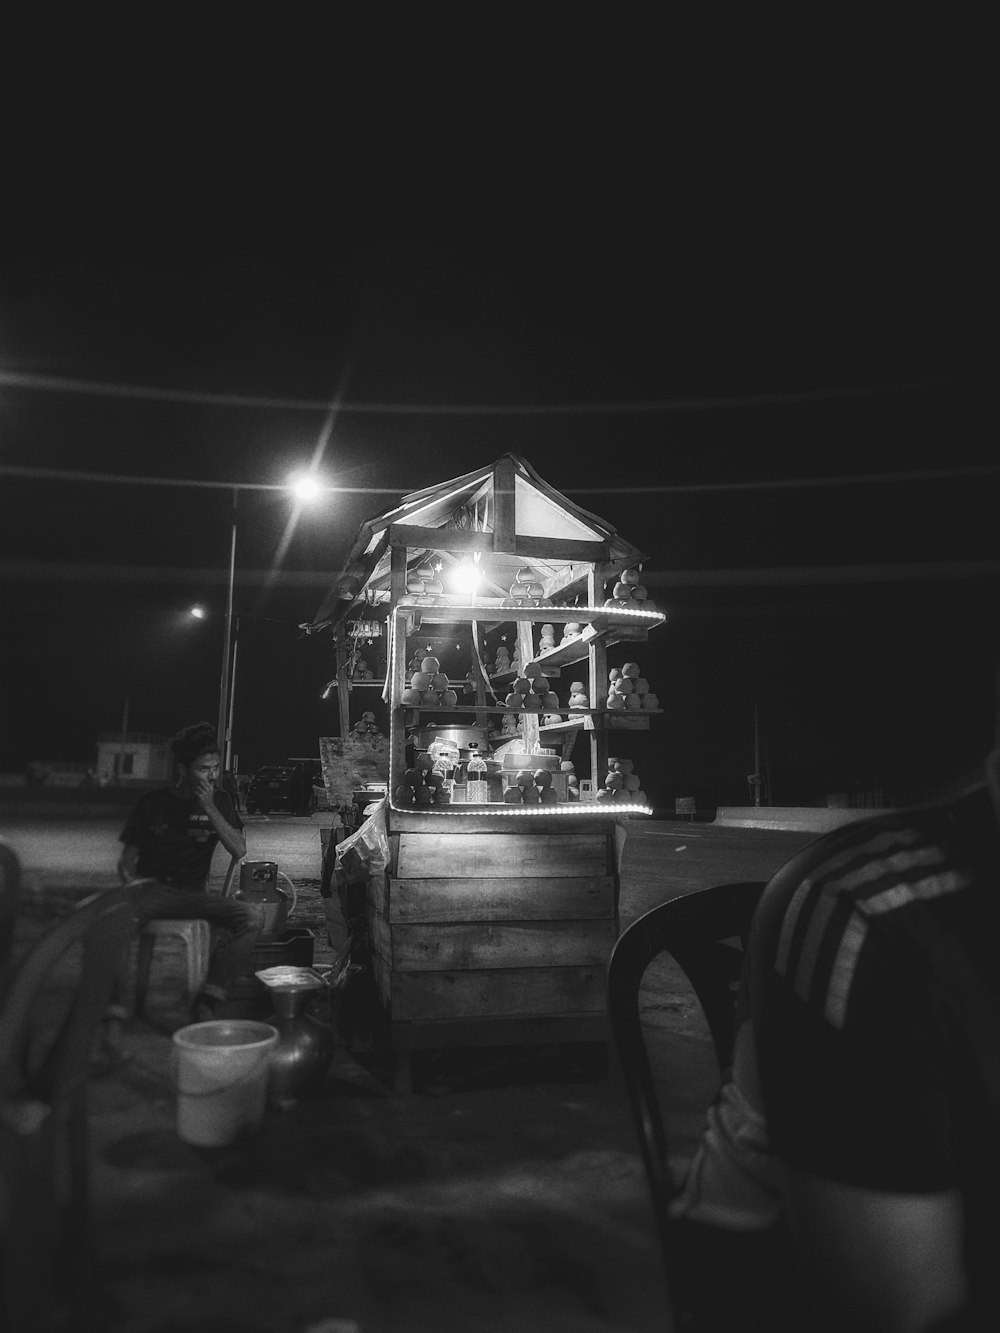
(460, 735)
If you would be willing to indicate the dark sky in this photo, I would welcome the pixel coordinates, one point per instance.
(783, 236)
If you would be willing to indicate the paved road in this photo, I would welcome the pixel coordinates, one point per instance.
(667, 858)
(662, 858)
(61, 843)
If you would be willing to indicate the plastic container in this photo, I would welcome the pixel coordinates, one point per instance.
(476, 787)
(293, 949)
(222, 1077)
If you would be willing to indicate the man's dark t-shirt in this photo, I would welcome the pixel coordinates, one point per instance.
(175, 837)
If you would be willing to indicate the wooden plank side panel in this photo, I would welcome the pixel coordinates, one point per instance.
(380, 933)
(514, 1031)
(468, 946)
(494, 898)
(498, 993)
(502, 855)
(382, 974)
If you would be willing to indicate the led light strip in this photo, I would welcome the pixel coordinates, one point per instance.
(584, 612)
(577, 808)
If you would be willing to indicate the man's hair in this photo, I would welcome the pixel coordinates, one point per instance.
(192, 742)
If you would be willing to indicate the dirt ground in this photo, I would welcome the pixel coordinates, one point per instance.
(506, 1193)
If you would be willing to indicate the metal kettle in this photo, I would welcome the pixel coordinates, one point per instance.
(300, 1059)
(259, 886)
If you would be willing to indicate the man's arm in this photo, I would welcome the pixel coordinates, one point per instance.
(878, 1262)
(127, 864)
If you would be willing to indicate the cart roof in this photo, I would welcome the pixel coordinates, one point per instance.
(503, 511)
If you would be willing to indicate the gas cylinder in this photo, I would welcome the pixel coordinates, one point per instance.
(259, 886)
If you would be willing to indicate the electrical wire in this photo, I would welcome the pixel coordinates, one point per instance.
(17, 379)
(678, 488)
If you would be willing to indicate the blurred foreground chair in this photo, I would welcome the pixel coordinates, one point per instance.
(44, 1240)
(10, 899)
(705, 933)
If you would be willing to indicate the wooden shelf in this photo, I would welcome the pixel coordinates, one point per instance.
(601, 618)
(555, 728)
(617, 720)
(602, 629)
(581, 713)
(456, 708)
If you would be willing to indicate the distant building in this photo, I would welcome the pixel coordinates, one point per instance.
(55, 772)
(135, 756)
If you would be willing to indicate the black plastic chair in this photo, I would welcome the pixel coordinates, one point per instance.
(705, 933)
(43, 1114)
(10, 901)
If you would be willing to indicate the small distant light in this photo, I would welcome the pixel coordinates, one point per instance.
(198, 612)
(304, 487)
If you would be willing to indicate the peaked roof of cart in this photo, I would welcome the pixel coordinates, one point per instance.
(503, 514)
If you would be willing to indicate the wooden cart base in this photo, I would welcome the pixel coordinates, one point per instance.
(535, 1031)
(488, 931)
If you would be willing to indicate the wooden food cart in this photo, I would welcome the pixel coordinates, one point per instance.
(491, 921)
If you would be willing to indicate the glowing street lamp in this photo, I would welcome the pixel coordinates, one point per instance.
(304, 486)
(197, 612)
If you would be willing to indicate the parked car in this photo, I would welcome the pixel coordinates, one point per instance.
(281, 787)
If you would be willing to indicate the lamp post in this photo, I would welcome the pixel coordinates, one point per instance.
(306, 488)
(222, 730)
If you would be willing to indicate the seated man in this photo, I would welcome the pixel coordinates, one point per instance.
(170, 837)
(861, 1117)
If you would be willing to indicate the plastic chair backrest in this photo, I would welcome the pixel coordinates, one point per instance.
(704, 932)
(104, 923)
(10, 900)
(42, 1097)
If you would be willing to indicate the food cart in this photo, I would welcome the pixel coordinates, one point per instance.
(491, 898)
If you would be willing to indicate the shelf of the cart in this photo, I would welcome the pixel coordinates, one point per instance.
(598, 619)
(576, 649)
(456, 708)
(618, 720)
(457, 685)
(577, 717)
(561, 728)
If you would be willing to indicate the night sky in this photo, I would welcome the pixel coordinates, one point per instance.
(664, 267)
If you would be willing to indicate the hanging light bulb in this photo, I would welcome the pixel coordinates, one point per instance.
(466, 576)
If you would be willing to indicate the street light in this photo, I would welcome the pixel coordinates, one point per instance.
(306, 487)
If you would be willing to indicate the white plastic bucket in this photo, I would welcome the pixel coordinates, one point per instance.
(222, 1073)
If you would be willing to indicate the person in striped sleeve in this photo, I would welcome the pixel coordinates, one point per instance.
(857, 1133)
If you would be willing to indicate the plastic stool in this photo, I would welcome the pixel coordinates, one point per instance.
(197, 938)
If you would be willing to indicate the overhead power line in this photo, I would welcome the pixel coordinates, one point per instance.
(61, 571)
(18, 379)
(679, 488)
(122, 479)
